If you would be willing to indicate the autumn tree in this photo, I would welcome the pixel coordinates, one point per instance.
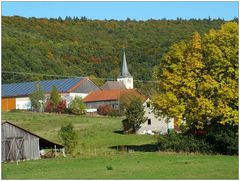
(199, 79)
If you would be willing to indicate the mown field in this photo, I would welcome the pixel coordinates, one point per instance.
(98, 154)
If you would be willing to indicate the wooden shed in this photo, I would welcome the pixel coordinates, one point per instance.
(20, 144)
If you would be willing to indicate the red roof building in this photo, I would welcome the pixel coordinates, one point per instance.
(111, 97)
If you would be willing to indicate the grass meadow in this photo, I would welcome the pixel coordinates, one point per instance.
(100, 153)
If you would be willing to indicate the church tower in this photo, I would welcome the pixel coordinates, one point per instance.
(125, 76)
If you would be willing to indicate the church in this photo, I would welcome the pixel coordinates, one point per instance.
(111, 91)
(124, 80)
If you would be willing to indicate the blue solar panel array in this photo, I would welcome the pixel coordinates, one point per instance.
(27, 88)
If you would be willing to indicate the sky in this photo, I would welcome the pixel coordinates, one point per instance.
(122, 10)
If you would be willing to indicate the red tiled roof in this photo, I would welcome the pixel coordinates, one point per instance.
(105, 95)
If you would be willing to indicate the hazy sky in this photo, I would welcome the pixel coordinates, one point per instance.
(122, 10)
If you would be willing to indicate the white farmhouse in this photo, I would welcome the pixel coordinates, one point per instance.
(155, 124)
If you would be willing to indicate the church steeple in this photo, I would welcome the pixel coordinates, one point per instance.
(125, 76)
(124, 71)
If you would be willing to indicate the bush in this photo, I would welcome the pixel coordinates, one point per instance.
(61, 107)
(224, 139)
(116, 113)
(68, 137)
(105, 109)
(185, 143)
(48, 106)
(77, 106)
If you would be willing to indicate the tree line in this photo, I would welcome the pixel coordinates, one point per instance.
(84, 47)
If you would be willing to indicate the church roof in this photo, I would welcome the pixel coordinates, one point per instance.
(124, 71)
(110, 85)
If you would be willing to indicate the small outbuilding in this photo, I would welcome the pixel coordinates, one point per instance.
(21, 144)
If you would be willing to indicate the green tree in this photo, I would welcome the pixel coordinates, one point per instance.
(37, 98)
(134, 116)
(77, 106)
(68, 137)
(199, 79)
(55, 97)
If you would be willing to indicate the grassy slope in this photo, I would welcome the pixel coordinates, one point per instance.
(98, 132)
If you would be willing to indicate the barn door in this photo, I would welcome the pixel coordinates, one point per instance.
(14, 149)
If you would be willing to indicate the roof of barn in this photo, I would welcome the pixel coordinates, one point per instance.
(108, 95)
(27, 88)
(44, 143)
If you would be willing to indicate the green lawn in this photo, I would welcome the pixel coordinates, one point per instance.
(95, 159)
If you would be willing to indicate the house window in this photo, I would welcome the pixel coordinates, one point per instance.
(148, 104)
(149, 121)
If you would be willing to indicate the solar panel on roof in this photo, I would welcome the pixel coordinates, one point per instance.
(26, 88)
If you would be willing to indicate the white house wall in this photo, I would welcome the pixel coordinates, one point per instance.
(158, 124)
(23, 103)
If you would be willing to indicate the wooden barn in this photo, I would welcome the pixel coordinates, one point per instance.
(20, 144)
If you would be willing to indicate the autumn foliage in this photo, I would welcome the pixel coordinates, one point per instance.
(199, 79)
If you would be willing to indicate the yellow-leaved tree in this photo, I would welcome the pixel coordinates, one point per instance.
(199, 79)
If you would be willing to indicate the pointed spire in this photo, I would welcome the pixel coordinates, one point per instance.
(124, 70)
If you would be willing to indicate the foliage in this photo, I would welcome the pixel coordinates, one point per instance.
(48, 106)
(37, 98)
(134, 116)
(104, 109)
(116, 113)
(126, 98)
(61, 107)
(183, 143)
(199, 79)
(68, 137)
(58, 46)
(224, 139)
(55, 98)
(77, 106)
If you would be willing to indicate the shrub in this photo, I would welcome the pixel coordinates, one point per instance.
(116, 113)
(48, 106)
(224, 139)
(68, 137)
(61, 107)
(77, 106)
(185, 143)
(105, 109)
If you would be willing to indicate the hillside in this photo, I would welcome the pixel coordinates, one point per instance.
(85, 47)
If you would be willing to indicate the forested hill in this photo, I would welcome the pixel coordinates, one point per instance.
(85, 47)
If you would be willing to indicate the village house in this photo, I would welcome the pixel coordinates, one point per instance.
(16, 95)
(154, 123)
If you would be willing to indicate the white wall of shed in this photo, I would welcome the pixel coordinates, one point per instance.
(23, 103)
(70, 96)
